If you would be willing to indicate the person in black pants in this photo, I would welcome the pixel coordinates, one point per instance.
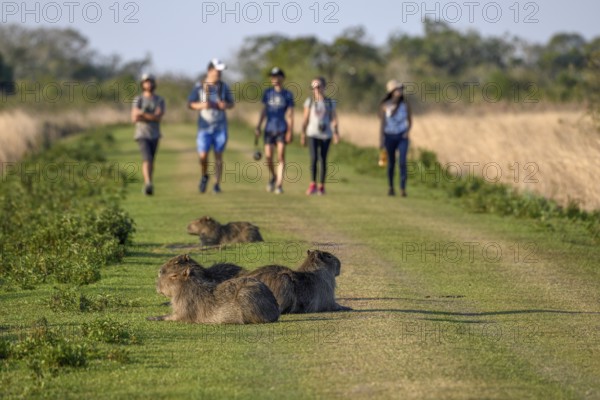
(396, 122)
(320, 125)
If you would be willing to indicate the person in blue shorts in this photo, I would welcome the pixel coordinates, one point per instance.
(279, 112)
(211, 98)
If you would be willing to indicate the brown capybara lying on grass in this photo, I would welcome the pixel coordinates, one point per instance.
(213, 233)
(309, 289)
(195, 299)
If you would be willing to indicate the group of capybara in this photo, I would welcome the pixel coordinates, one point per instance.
(226, 293)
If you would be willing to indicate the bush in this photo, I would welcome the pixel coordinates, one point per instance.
(59, 223)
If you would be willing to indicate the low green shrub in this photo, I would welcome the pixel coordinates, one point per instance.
(474, 192)
(61, 221)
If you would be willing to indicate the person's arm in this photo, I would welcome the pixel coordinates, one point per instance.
(336, 126)
(381, 126)
(135, 111)
(263, 114)
(290, 125)
(194, 101)
(409, 117)
(305, 118)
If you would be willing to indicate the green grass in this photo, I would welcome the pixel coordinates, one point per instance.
(448, 304)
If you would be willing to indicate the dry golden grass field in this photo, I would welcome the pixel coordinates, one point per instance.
(551, 152)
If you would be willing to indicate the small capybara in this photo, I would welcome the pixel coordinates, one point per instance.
(214, 234)
(194, 299)
(309, 289)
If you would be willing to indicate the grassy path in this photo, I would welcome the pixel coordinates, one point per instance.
(447, 304)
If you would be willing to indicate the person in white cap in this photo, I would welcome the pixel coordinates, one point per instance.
(146, 112)
(211, 97)
(396, 122)
(278, 110)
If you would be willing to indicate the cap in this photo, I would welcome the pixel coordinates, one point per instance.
(393, 85)
(147, 77)
(276, 71)
(217, 64)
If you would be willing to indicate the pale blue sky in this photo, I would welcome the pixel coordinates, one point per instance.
(183, 35)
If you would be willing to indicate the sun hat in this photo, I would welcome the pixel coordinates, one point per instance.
(217, 64)
(393, 84)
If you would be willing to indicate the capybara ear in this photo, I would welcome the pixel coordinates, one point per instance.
(207, 218)
(187, 272)
(308, 252)
(186, 257)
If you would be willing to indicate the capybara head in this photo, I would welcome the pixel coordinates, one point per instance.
(323, 259)
(207, 228)
(174, 272)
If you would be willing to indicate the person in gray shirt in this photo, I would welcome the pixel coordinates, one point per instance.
(147, 112)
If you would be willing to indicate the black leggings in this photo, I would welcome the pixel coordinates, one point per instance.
(318, 149)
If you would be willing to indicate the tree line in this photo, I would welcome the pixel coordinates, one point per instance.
(443, 65)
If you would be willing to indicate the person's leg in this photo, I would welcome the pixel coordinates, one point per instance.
(220, 139)
(149, 165)
(145, 149)
(269, 161)
(403, 150)
(312, 150)
(280, 162)
(323, 159)
(203, 145)
(391, 144)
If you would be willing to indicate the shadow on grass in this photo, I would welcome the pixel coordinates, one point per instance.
(147, 250)
(476, 314)
(389, 298)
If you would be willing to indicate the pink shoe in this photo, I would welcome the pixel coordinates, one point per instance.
(312, 189)
(321, 190)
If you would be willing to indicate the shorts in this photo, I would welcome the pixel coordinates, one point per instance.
(206, 140)
(274, 137)
(148, 148)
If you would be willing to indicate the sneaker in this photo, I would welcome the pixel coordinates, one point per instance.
(391, 192)
(321, 191)
(312, 189)
(216, 189)
(148, 189)
(403, 193)
(271, 185)
(203, 183)
(279, 190)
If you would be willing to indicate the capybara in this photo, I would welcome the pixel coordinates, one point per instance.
(194, 299)
(213, 233)
(309, 289)
(217, 273)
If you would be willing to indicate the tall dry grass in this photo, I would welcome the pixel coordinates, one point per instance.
(22, 131)
(555, 153)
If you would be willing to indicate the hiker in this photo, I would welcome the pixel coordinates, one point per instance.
(320, 125)
(211, 97)
(279, 112)
(396, 122)
(146, 112)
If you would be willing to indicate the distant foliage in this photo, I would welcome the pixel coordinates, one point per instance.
(443, 66)
(61, 215)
